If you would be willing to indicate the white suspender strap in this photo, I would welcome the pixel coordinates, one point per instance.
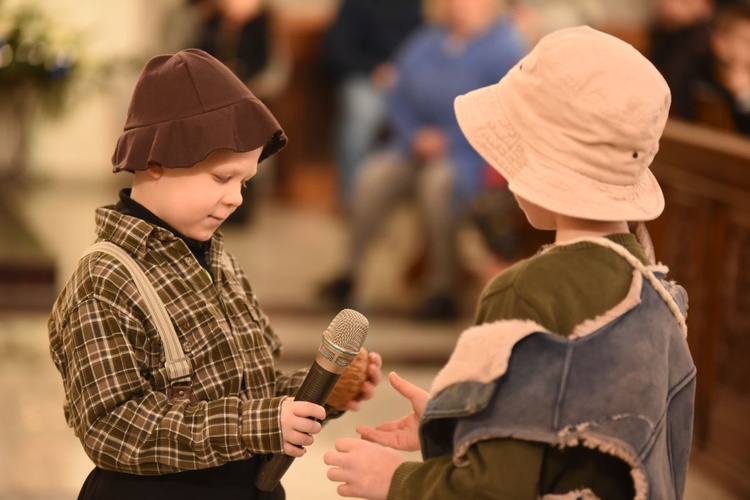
(177, 364)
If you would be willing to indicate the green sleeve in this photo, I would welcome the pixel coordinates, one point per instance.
(508, 468)
(504, 303)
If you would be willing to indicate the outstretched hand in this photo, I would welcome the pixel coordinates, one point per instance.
(401, 434)
(365, 469)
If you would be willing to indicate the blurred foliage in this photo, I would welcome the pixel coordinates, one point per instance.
(38, 56)
(41, 57)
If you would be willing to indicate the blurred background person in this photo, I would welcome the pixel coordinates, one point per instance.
(679, 47)
(473, 43)
(498, 219)
(536, 18)
(358, 48)
(728, 79)
(238, 33)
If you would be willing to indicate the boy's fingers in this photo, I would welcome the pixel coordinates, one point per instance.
(308, 409)
(333, 458)
(366, 433)
(376, 360)
(337, 474)
(378, 438)
(363, 429)
(307, 426)
(393, 425)
(294, 451)
(346, 444)
(347, 490)
(405, 388)
(300, 439)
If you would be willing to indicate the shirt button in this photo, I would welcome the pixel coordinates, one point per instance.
(187, 347)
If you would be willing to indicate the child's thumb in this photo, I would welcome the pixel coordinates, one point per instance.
(405, 388)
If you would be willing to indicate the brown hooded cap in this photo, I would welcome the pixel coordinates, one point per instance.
(188, 105)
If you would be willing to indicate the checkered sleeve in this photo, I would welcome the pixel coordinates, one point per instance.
(261, 425)
(125, 425)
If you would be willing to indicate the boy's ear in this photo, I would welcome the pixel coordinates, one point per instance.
(155, 171)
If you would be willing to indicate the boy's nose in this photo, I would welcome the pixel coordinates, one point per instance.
(233, 196)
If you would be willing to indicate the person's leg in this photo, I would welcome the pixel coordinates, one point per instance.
(361, 114)
(383, 180)
(439, 211)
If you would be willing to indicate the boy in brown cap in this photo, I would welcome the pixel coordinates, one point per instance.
(191, 425)
(576, 381)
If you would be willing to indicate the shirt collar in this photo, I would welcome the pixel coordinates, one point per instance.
(136, 233)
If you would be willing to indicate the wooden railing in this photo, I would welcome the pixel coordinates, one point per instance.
(704, 238)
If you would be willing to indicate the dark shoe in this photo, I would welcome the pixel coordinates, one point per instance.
(439, 307)
(338, 291)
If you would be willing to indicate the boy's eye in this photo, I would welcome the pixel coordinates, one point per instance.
(221, 179)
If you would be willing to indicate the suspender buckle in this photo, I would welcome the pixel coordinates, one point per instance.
(182, 390)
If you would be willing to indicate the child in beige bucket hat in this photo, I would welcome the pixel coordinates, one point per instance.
(576, 380)
(574, 127)
(194, 413)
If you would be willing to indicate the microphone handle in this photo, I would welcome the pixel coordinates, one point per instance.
(316, 388)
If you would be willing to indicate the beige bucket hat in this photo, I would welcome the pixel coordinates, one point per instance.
(574, 126)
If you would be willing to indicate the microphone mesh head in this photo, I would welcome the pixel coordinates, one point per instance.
(348, 330)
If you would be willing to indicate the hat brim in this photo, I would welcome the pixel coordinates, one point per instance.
(241, 126)
(549, 182)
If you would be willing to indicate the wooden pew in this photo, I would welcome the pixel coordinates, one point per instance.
(305, 172)
(704, 237)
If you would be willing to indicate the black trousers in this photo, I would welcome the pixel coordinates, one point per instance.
(231, 481)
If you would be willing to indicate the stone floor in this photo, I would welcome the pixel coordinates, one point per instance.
(286, 253)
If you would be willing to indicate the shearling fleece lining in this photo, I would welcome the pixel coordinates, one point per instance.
(647, 272)
(632, 299)
(579, 435)
(470, 362)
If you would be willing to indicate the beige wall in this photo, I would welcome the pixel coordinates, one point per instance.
(79, 143)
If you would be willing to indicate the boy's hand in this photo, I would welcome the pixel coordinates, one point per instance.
(367, 389)
(296, 426)
(366, 469)
(401, 434)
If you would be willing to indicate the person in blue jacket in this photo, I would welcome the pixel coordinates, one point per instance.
(472, 44)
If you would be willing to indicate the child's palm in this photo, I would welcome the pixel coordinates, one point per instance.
(401, 434)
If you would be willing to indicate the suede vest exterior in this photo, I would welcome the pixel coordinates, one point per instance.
(622, 384)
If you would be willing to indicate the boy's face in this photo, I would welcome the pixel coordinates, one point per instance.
(197, 200)
(676, 14)
(463, 16)
(538, 217)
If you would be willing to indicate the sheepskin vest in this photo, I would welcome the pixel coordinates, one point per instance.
(622, 384)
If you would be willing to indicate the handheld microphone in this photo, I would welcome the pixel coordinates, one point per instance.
(341, 343)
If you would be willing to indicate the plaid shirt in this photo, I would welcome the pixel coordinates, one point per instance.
(112, 362)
